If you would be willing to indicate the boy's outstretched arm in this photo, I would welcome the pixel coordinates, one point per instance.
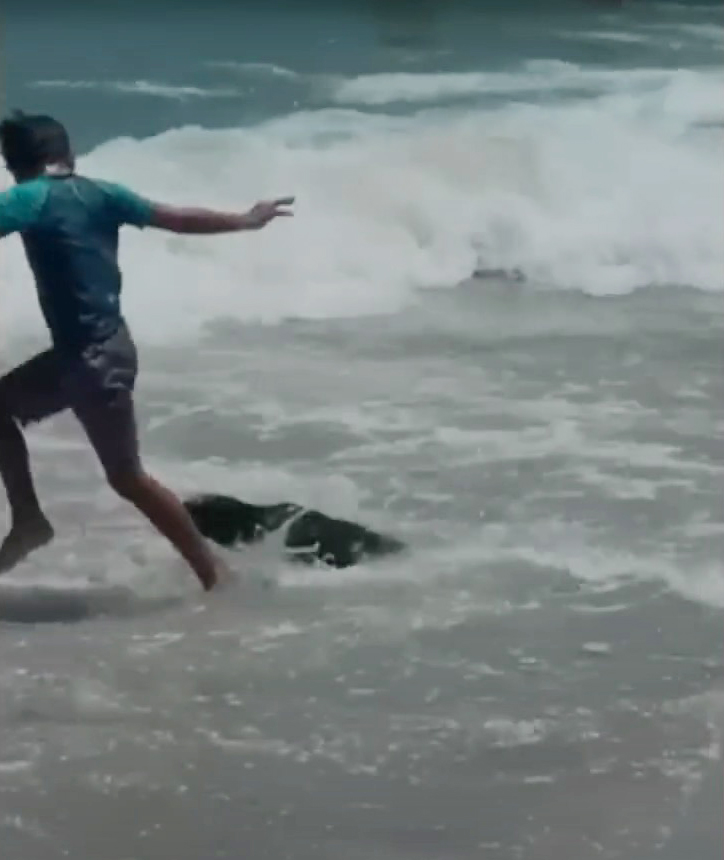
(206, 221)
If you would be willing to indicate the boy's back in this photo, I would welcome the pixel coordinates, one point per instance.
(69, 226)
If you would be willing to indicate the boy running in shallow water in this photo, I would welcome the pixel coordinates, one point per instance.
(69, 226)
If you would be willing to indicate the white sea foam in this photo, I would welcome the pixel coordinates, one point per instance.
(263, 69)
(603, 195)
(139, 87)
(552, 77)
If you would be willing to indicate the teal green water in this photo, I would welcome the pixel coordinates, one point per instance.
(180, 47)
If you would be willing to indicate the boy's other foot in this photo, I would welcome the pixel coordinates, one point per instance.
(22, 539)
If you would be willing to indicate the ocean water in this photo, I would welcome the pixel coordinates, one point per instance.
(494, 328)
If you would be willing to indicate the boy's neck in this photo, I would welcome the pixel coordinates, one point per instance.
(58, 170)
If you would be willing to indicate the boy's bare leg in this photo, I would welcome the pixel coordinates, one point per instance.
(29, 528)
(170, 517)
(102, 399)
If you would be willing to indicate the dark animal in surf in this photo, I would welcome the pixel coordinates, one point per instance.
(310, 536)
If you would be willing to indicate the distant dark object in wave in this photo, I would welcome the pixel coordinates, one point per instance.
(506, 274)
(310, 535)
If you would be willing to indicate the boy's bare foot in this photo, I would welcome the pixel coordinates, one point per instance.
(208, 582)
(222, 576)
(22, 539)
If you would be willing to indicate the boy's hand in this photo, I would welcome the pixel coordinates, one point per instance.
(267, 210)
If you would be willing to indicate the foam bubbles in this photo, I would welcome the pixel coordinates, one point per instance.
(602, 195)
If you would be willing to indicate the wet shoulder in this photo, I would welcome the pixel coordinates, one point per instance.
(121, 204)
(109, 204)
(22, 205)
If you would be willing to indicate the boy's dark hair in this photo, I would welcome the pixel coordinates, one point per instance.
(29, 143)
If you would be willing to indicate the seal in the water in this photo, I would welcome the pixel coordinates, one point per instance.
(310, 535)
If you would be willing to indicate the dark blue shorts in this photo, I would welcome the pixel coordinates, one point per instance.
(97, 385)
